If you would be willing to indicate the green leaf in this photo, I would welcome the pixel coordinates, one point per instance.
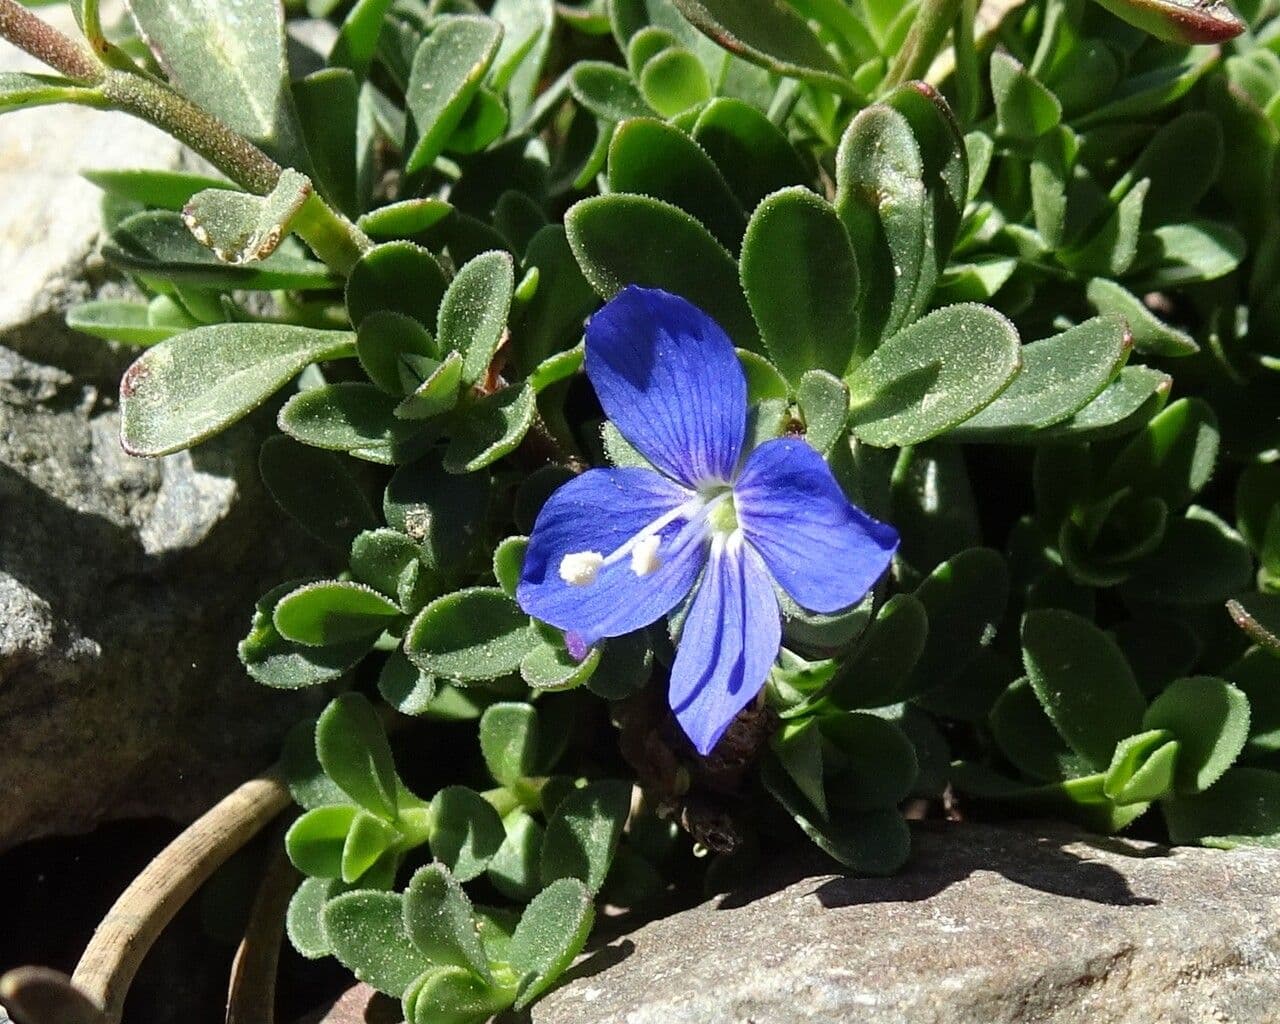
(381, 558)
(227, 57)
(1112, 249)
(607, 91)
(752, 153)
(448, 68)
(515, 869)
(317, 490)
(242, 228)
(772, 35)
(443, 512)
(870, 763)
(274, 661)
(933, 505)
(674, 81)
(18, 91)
(655, 159)
(1025, 109)
(801, 281)
(473, 313)
(1029, 740)
(368, 839)
(126, 322)
(798, 748)
(164, 190)
(367, 931)
(157, 243)
(623, 239)
(1177, 255)
(935, 374)
(470, 636)
(875, 844)
(1083, 681)
(824, 404)
(1059, 377)
(878, 674)
(1210, 719)
(1259, 616)
(509, 741)
(1256, 673)
(490, 428)
(1128, 401)
(304, 921)
(377, 283)
(405, 219)
(466, 831)
(389, 346)
(439, 921)
(314, 842)
(351, 416)
(550, 935)
(1151, 335)
(551, 667)
(194, 385)
(583, 833)
(439, 391)
(330, 612)
(1200, 560)
(1179, 21)
(1143, 768)
(1243, 809)
(328, 103)
(452, 995)
(1172, 457)
(353, 751)
(508, 559)
(1051, 166)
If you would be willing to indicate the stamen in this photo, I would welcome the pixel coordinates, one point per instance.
(644, 556)
(580, 568)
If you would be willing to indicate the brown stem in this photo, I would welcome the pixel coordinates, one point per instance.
(251, 996)
(47, 44)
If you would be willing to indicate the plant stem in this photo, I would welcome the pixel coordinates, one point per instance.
(924, 41)
(251, 996)
(47, 44)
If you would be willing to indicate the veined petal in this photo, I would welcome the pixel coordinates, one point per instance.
(600, 511)
(729, 642)
(825, 552)
(668, 377)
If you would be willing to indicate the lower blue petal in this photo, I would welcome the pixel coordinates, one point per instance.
(728, 644)
(823, 551)
(600, 511)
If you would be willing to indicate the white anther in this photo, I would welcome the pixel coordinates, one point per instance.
(644, 556)
(580, 568)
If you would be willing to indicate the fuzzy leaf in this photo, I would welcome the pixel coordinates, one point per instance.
(470, 636)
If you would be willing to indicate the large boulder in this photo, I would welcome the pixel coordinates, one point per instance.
(124, 584)
(984, 926)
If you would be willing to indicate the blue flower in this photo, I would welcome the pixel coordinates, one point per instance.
(614, 550)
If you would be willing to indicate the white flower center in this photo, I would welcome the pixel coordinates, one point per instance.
(710, 515)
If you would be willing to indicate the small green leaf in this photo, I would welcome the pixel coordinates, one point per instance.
(405, 219)
(870, 762)
(353, 751)
(443, 512)
(381, 557)
(351, 416)
(126, 322)
(367, 931)
(1210, 719)
(771, 35)
(878, 673)
(552, 667)
(1025, 109)
(452, 995)
(583, 833)
(1143, 768)
(377, 283)
(388, 345)
(274, 661)
(607, 91)
(798, 748)
(1200, 560)
(1150, 334)
(1128, 401)
(1243, 809)
(551, 933)
(314, 842)
(439, 391)
(448, 68)
(1177, 255)
(1173, 457)
(190, 387)
(439, 921)
(508, 559)
(331, 612)
(753, 154)
(470, 636)
(1083, 681)
(509, 741)
(242, 228)
(1059, 377)
(824, 404)
(1184, 22)
(367, 840)
(304, 922)
(473, 313)
(162, 190)
(801, 280)
(490, 428)
(18, 91)
(317, 489)
(1256, 673)
(1029, 740)
(653, 158)
(674, 81)
(466, 832)
(625, 239)
(935, 374)
(515, 868)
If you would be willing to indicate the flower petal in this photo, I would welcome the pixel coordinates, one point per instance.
(823, 551)
(600, 511)
(668, 377)
(729, 642)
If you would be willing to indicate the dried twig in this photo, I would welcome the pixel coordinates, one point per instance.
(251, 995)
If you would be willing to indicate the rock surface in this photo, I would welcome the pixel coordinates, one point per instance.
(124, 584)
(985, 926)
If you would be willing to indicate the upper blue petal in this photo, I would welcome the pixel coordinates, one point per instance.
(599, 511)
(668, 377)
(729, 642)
(823, 551)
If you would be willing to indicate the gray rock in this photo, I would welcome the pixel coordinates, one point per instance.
(124, 584)
(985, 926)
